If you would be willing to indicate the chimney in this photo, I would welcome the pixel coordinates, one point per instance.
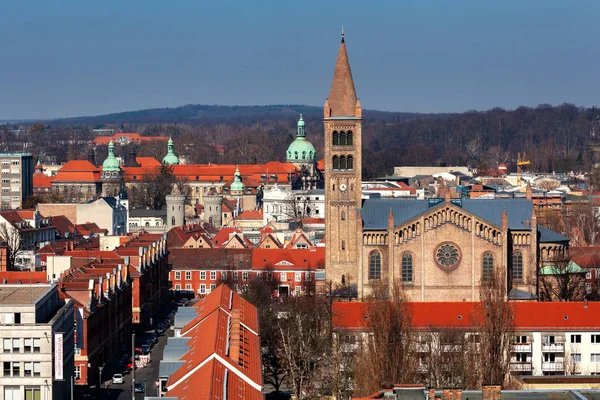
(234, 336)
(491, 393)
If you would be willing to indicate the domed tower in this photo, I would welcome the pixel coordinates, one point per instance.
(237, 186)
(303, 155)
(112, 175)
(170, 158)
(213, 202)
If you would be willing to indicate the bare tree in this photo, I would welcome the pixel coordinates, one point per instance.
(572, 360)
(298, 206)
(14, 245)
(561, 280)
(387, 353)
(304, 330)
(493, 319)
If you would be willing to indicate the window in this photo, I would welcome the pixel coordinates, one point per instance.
(576, 357)
(33, 393)
(269, 276)
(202, 289)
(245, 276)
(212, 287)
(178, 287)
(223, 275)
(77, 372)
(336, 138)
(27, 345)
(343, 216)
(521, 357)
(487, 270)
(188, 286)
(517, 271)
(28, 369)
(375, 266)
(36, 345)
(349, 138)
(172, 221)
(16, 345)
(307, 276)
(596, 339)
(177, 275)
(342, 138)
(549, 357)
(575, 338)
(343, 245)
(16, 368)
(336, 164)
(12, 393)
(283, 276)
(298, 277)
(521, 339)
(6, 368)
(202, 275)
(407, 267)
(595, 358)
(350, 162)
(188, 275)
(6, 345)
(213, 275)
(17, 318)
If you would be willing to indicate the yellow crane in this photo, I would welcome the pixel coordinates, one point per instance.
(521, 162)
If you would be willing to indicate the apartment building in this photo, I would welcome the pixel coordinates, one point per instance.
(550, 338)
(16, 179)
(36, 331)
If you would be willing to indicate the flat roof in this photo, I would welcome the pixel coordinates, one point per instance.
(22, 294)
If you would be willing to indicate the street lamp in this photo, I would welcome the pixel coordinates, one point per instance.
(145, 379)
(100, 368)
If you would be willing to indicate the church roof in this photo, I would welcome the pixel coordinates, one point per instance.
(342, 96)
(375, 211)
(548, 236)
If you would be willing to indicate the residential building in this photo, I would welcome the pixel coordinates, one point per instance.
(148, 220)
(17, 179)
(550, 338)
(36, 329)
(280, 204)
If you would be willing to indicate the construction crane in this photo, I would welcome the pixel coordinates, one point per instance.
(521, 162)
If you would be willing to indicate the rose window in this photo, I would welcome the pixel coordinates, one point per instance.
(447, 255)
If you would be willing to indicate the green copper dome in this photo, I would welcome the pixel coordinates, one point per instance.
(111, 164)
(301, 150)
(237, 185)
(170, 158)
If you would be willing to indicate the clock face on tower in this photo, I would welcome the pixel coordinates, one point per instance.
(343, 187)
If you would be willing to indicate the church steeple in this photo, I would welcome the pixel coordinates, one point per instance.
(342, 95)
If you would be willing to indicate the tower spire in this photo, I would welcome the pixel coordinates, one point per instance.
(342, 95)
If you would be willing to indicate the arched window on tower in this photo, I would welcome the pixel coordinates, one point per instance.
(343, 164)
(342, 138)
(172, 221)
(487, 267)
(343, 245)
(374, 266)
(350, 162)
(349, 138)
(336, 138)
(407, 267)
(343, 216)
(304, 155)
(517, 266)
(296, 155)
(336, 163)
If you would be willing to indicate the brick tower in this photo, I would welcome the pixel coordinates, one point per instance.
(343, 163)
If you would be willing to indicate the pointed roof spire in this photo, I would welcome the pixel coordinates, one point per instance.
(342, 33)
(342, 96)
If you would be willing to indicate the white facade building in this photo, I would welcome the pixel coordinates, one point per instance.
(279, 203)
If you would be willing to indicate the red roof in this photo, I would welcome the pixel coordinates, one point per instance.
(528, 316)
(42, 181)
(224, 235)
(78, 171)
(24, 277)
(146, 162)
(89, 228)
(133, 137)
(251, 215)
(289, 259)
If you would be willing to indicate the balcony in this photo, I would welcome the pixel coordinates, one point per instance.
(520, 367)
(552, 366)
(553, 347)
(521, 348)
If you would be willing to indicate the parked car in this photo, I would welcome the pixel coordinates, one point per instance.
(117, 378)
(139, 388)
(146, 348)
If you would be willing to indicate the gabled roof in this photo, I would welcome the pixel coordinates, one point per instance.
(528, 315)
(90, 228)
(41, 180)
(78, 171)
(63, 225)
(224, 235)
(215, 258)
(289, 259)
(548, 236)
(296, 237)
(251, 215)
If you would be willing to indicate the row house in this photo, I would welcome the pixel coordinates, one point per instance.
(102, 295)
(550, 338)
(217, 352)
(292, 271)
(24, 231)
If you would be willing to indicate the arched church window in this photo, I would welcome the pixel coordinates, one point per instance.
(343, 164)
(343, 216)
(336, 138)
(517, 266)
(336, 163)
(172, 221)
(343, 279)
(349, 138)
(296, 155)
(487, 267)
(342, 138)
(147, 224)
(407, 267)
(374, 266)
(304, 155)
(350, 162)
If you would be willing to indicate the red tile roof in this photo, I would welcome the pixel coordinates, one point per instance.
(42, 181)
(206, 259)
(251, 215)
(224, 235)
(24, 277)
(289, 259)
(89, 228)
(528, 316)
(146, 162)
(78, 171)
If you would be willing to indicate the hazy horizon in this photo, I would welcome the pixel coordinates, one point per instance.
(71, 59)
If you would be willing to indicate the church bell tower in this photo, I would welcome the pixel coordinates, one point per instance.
(343, 164)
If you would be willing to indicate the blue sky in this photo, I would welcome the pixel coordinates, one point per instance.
(81, 57)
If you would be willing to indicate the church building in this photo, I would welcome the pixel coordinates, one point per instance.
(440, 249)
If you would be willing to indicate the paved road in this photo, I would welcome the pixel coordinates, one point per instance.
(123, 391)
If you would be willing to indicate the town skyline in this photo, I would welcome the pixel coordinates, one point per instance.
(408, 57)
